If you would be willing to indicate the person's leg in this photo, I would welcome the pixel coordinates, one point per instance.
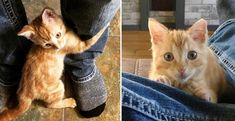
(222, 41)
(86, 18)
(13, 49)
(225, 10)
(222, 44)
(146, 100)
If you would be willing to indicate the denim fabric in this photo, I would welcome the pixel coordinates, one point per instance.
(146, 100)
(86, 18)
(13, 49)
(81, 65)
(222, 43)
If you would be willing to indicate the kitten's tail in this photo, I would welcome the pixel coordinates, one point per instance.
(11, 114)
(94, 39)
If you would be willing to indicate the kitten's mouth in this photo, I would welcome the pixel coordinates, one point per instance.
(184, 77)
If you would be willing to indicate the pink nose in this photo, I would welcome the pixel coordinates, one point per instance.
(181, 71)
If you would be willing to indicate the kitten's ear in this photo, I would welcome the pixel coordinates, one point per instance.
(27, 31)
(199, 31)
(157, 31)
(48, 15)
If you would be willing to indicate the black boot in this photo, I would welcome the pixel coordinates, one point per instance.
(8, 97)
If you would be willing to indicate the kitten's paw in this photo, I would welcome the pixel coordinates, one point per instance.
(164, 80)
(206, 95)
(71, 103)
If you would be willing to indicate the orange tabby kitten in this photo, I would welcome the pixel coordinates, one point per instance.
(182, 59)
(45, 63)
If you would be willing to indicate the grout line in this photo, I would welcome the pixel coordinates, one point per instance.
(63, 114)
(136, 66)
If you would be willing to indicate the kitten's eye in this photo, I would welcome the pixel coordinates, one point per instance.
(192, 55)
(48, 45)
(168, 56)
(58, 35)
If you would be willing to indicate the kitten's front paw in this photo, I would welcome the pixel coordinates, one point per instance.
(163, 79)
(72, 103)
(206, 95)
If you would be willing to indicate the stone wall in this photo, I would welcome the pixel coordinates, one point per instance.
(163, 16)
(130, 12)
(196, 9)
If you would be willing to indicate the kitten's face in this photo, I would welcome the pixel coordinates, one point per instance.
(179, 55)
(47, 30)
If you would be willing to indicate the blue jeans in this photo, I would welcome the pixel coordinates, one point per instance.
(13, 49)
(146, 100)
(85, 17)
(222, 43)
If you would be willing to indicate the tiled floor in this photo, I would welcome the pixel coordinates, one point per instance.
(108, 63)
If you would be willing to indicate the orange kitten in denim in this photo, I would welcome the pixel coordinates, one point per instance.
(45, 63)
(182, 59)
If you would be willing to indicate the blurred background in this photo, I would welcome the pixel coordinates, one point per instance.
(108, 63)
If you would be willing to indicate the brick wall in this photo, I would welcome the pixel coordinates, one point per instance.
(163, 16)
(130, 12)
(196, 9)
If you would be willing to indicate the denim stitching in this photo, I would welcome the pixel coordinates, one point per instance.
(10, 12)
(87, 78)
(144, 108)
(155, 114)
(223, 58)
(151, 110)
(215, 50)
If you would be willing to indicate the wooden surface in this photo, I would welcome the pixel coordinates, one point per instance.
(136, 44)
(138, 67)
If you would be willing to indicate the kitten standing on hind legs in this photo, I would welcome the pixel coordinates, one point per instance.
(181, 58)
(45, 63)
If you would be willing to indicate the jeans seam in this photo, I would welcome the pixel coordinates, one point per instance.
(129, 105)
(167, 114)
(10, 12)
(223, 57)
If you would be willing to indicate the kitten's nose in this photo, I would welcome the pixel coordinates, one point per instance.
(181, 71)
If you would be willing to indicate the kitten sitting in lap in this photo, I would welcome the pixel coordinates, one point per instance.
(182, 59)
(45, 63)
